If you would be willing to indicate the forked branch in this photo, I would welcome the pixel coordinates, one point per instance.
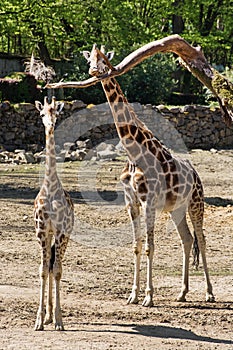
(191, 57)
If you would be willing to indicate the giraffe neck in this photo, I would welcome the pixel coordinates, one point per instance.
(134, 135)
(119, 104)
(50, 161)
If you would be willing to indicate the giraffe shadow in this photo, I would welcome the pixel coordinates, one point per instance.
(97, 196)
(11, 192)
(162, 331)
(27, 194)
(155, 331)
(218, 201)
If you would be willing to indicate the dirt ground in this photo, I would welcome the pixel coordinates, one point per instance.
(98, 265)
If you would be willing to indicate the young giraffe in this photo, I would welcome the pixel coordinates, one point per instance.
(154, 180)
(54, 217)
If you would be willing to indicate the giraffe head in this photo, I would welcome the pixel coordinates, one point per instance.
(99, 61)
(49, 112)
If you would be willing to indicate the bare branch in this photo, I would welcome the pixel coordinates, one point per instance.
(191, 57)
(74, 84)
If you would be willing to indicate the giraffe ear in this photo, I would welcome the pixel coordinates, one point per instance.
(39, 106)
(59, 106)
(86, 54)
(110, 55)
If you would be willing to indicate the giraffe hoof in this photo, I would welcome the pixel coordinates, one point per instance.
(148, 302)
(181, 296)
(133, 299)
(48, 320)
(210, 298)
(181, 299)
(39, 327)
(59, 327)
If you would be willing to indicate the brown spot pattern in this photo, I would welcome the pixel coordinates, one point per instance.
(123, 130)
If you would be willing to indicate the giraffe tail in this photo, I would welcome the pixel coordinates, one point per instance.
(52, 258)
(196, 252)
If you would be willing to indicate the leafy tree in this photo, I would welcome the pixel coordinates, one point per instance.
(209, 24)
(62, 28)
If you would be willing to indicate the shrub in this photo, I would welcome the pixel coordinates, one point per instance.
(19, 87)
(151, 81)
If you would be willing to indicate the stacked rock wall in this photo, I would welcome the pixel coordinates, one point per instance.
(179, 128)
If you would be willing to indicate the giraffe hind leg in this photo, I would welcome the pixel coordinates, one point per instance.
(196, 252)
(196, 216)
(179, 219)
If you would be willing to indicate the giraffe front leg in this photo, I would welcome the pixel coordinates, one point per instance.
(133, 298)
(57, 312)
(149, 248)
(134, 213)
(39, 325)
(44, 270)
(148, 300)
(49, 306)
(60, 248)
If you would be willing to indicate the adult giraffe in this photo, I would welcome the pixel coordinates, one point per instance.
(154, 180)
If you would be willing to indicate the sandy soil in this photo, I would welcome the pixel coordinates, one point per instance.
(98, 266)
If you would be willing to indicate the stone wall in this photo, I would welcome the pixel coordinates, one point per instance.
(179, 128)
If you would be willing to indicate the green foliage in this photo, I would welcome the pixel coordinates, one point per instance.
(222, 86)
(150, 82)
(19, 87)
(209, 24)
(228, 73)
(62, 28)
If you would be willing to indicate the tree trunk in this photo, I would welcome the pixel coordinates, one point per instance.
(44, 52)
(177, 24)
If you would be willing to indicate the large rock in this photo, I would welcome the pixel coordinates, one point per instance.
(104, 146)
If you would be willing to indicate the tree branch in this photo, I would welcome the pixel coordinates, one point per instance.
(191, 57)
(74, 84)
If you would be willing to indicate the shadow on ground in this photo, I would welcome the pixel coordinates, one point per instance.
(218, 201)
(157, 331)
(26, 193)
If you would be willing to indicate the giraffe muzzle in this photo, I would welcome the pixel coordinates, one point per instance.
(93, 71)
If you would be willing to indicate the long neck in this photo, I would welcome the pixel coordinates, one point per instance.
(50, 161)
(119, 105)
(136, 138)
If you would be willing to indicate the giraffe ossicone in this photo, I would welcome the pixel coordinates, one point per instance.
(54, 220)
(154, 180)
